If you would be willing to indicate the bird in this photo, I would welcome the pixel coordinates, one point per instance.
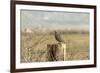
(59, 37)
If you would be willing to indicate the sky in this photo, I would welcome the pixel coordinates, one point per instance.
(53, 20)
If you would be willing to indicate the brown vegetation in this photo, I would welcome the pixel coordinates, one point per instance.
(34, 46)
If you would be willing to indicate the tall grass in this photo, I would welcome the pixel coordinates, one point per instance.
(34, 46)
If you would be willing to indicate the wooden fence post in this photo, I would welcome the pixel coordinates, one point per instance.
(56, 52)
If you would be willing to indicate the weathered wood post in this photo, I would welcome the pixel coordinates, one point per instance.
(56, 52)
(63, 46)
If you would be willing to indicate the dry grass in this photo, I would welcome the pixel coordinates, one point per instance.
(34, 46)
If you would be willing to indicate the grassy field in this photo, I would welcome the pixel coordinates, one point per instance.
(34, 46)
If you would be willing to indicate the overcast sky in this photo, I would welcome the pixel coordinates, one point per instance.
(51, 19)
